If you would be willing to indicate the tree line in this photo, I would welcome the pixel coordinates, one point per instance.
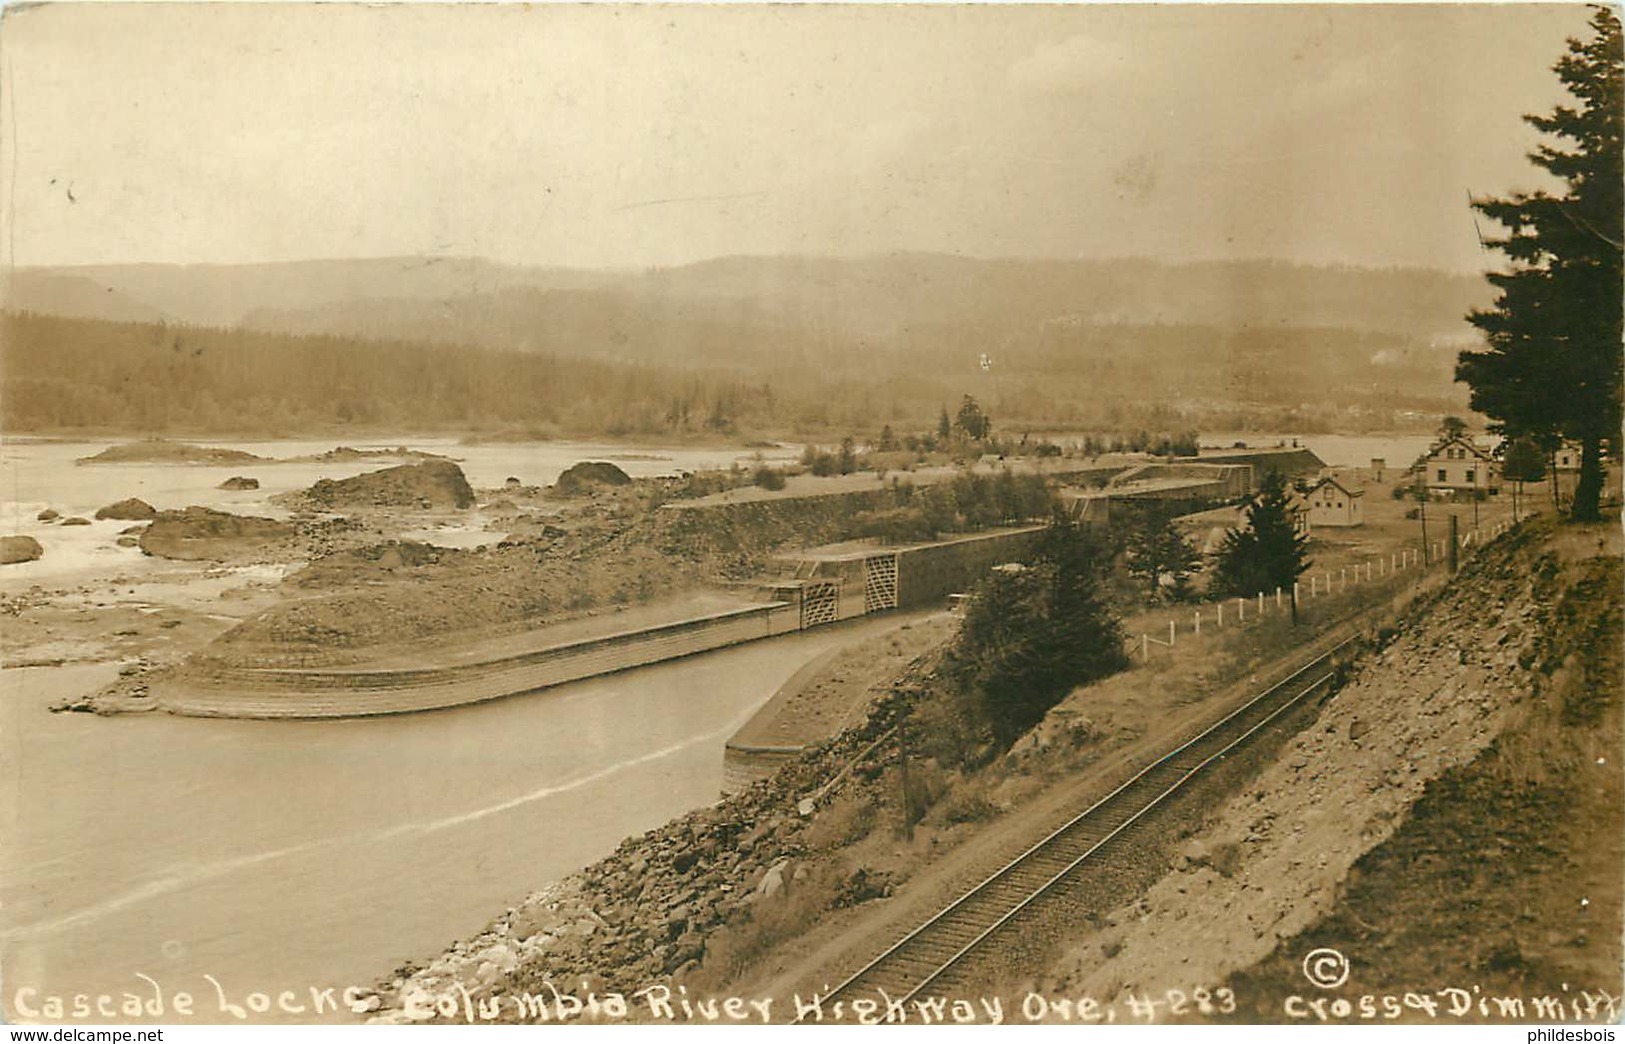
(65, 374)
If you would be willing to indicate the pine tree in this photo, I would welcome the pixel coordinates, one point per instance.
(972, 423)
(1270, 552)
(1553, 362)
(1157, 549)
(1032, 635)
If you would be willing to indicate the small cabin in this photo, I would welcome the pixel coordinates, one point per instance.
(1333, 502)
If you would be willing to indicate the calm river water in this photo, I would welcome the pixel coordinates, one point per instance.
(281, 855)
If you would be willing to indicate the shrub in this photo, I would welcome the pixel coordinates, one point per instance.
(768, 478)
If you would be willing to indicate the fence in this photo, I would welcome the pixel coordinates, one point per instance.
(1407, 563)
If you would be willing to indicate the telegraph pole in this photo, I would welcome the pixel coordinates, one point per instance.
(1422, 508)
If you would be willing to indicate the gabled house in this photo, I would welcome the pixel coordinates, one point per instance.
(1456, 464)
(1332, 502)
(1567, 456)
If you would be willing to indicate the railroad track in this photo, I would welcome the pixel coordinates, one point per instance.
(930, 951)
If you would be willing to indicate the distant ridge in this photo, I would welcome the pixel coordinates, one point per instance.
(871, 297)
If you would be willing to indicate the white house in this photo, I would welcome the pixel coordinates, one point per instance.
(1567, 456)
(1456, 464)
(1334, 503)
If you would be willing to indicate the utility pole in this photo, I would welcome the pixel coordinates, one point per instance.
(1422, 508)
(1451, 554)
(1478, 465)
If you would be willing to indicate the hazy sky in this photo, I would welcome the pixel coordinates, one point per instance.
(631, 136)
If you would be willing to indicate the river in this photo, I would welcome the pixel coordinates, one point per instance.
(283, 855)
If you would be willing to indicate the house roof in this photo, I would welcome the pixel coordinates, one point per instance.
(1294, 502)
(1332, 480)
(1456, 440)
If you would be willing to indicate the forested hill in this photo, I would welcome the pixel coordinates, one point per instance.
(64, 374)
(901, 302)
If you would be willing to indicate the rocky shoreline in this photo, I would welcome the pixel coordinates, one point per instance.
(653, 910)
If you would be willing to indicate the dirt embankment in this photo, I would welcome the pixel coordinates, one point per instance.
(1488, 710)
(1505, 879)
(362, 602)
(829, 694)
(561, 558)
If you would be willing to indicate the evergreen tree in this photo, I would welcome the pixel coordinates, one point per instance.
(1269, 552)
(1031, 635)
(1553, 361)
(972, 423)
(1157, 549)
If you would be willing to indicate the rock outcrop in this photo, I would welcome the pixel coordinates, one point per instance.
(200, 533)
(431, 484)
(240, 482)
(162, 451)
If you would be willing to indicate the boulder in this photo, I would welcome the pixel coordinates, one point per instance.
(240, 482)
(48, 515)
(127, 541)
(579, 478)
(15, 549)
(772, 882)
(75, 520)
(131, 510)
